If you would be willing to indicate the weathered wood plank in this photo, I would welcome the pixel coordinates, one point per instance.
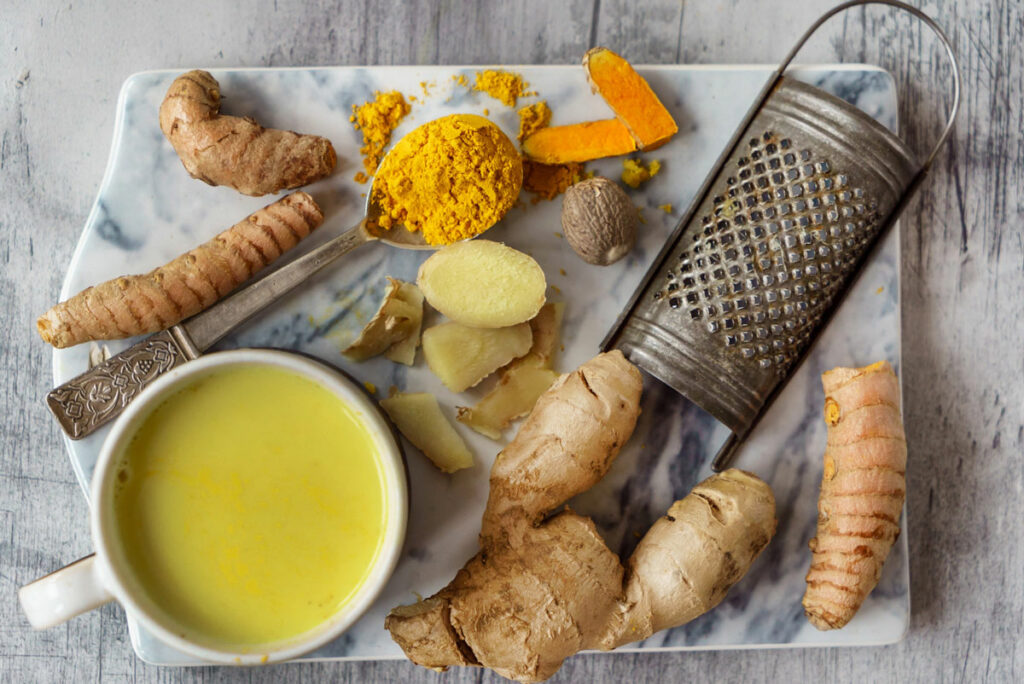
(963, 272)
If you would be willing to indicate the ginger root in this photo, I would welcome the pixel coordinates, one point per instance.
(419, 418)
(398, 318)
(543, 588)
(862, 491)
(139, 304)
(236, 151)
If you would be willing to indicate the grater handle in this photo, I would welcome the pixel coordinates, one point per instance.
(924, 18)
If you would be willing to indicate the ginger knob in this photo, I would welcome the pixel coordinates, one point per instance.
(599, 221)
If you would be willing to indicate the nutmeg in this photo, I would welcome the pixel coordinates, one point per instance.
(599, 221)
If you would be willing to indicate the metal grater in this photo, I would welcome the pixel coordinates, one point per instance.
(773, 241)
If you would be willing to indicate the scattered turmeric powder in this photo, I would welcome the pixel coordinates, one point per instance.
(377, 119)
(667, 208)
(461, 80)
(501, 85)
(547, 181)
(634, 173)
(532, 118)
(450, 179)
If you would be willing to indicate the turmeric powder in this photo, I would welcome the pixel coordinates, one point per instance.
(377, 119)
(501, 85)
(450, 179)
(533, 118)
(548, 181)
(634, 173)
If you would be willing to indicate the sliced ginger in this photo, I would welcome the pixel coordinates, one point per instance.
(579, 142)
(483, 284)
(398, 319)
(630, 97)
(513, 397)
(461, 356)
(418, 416)
(236, 151)
(522, 381)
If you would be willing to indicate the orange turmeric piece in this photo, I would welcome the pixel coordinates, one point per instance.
(630, 97)
(139, 304)
(579, 142)
(862, 491)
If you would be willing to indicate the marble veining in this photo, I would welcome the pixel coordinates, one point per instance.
(149, 210)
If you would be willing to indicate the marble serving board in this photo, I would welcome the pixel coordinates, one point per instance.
(149, 210)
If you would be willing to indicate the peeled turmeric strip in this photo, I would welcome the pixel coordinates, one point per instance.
(579, 142)
(236, 151)
(630, 97)
(862, 492)
(139, 304)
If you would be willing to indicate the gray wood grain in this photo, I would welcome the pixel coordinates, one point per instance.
(61, 66)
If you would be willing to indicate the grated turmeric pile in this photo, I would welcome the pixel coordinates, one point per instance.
(377, 119)
(450, 179)
(634, 173)
(548, 181)
(504, 86)
(532, 118)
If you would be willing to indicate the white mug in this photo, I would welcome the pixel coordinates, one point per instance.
(100, 578)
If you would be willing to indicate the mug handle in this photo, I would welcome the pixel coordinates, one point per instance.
(61, 595)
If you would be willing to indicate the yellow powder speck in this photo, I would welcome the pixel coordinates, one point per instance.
(461, 80)
(426, 87)
(634, 173)
(556, 289)
(532, 118)
(504, 86)
(562, 271)
(412, 98)
(264, 658)
(487, 112)
(370, 387)
(880, 290)
(640, 215)
(558, 235)
(667, 208)
(377, 119)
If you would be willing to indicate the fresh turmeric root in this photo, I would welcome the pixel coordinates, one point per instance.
(630, 97)
(139, 304)
(862, 491)
(235, 151)
(579, 142)
(543, 588)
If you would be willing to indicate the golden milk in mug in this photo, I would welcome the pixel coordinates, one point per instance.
(249, 506)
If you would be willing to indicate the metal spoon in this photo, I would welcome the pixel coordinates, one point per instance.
(95, 397)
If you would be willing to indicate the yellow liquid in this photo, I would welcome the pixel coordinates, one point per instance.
(250, 506)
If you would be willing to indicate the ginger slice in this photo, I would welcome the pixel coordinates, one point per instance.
(579, 142)
(418, 416)
(398, 318)
(630, 97)
(462, 356)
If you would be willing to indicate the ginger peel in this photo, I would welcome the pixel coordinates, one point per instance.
(543, 588)
(862, 491)
(140, 304)
(234, 151)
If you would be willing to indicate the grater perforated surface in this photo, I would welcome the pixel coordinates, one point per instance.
(768, 261)
(766, 253)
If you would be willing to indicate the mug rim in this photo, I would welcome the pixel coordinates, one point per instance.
(389, 456)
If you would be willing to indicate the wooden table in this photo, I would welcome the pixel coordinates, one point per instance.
(963, 274)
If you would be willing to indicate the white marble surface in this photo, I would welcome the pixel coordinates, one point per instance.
(148, 210)
(962, 263)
